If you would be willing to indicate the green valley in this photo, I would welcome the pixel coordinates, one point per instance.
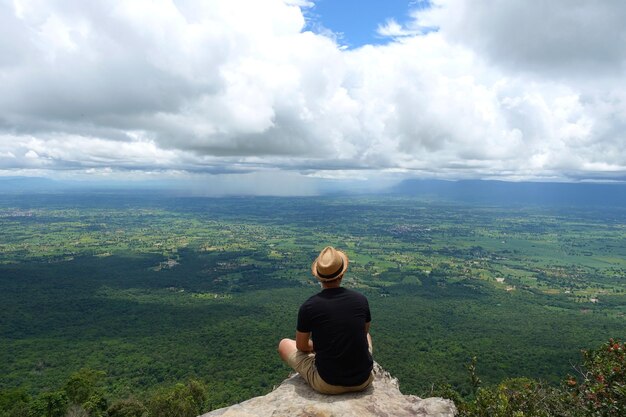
(154, 290)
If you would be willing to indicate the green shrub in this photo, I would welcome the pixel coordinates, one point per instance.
(127, 408)
(50, 404)
(520, 397)
(77, 411)
(14, 403)
(602, 391)
(182, 400)
(83, 384)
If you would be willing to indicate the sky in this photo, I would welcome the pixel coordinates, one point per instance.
(289, 96)
(354, 23)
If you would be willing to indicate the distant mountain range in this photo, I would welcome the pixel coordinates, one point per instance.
(29, 185)
(515, 193)
(468, 191)
(26, 184)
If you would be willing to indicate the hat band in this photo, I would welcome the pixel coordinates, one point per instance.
(333, 275)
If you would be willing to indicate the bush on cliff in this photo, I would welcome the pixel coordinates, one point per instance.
(602, 389)
(599, 390)
(183, 400)
(129, 407)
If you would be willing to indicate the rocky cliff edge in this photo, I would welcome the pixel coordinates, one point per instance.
(294, 398)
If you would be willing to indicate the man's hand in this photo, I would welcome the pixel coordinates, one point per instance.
(304, 342)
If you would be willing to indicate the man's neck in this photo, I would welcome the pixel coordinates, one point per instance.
(332, 284)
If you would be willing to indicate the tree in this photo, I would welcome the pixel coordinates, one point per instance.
(83, 384)
(14, 403)
(127, 408)
(96, 405)
(50, 404)
(520, 397)
(77, 411)
(182, 400)
(602, 390)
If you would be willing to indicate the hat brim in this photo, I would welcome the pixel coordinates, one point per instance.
(346, 261)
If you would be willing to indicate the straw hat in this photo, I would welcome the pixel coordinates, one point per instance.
(330, 264)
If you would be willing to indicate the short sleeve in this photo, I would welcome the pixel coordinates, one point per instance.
(304, 320)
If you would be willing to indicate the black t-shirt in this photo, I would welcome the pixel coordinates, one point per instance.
(336, 318)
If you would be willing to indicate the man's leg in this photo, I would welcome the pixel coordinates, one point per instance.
(301, 362)
(286, 348)
(304, 364)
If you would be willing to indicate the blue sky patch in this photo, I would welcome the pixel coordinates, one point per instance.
(355, 22)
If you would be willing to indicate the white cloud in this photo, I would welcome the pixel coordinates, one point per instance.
(556, 38)
(235, 87)
(391, 28)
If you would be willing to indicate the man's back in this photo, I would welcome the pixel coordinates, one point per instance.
(332, 348)
(336, 318)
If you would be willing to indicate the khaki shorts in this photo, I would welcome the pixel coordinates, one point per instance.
(304, 364)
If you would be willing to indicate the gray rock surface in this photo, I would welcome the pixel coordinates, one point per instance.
(294, 398)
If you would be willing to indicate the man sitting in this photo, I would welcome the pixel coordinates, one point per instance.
(333, 348)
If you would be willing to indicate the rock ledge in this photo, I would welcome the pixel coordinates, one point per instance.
(294, 398)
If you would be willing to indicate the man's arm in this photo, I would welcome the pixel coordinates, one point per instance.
(304, 342)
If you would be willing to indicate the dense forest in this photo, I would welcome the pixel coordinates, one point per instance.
(119, 302)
